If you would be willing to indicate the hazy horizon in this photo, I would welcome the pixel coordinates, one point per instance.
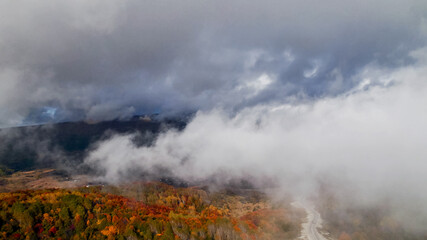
(295, 91)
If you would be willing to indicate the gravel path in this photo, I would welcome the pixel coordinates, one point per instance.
(314, 222)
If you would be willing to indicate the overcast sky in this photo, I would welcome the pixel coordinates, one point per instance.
(105, 59)
(292, 89)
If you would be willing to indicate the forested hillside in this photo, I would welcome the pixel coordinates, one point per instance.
(159, 211)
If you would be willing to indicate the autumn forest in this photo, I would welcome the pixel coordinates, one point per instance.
(159, 211)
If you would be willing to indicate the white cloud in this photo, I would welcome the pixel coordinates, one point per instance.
(178, 56)
(371, 140)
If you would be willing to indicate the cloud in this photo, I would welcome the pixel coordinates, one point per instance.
(103, 59)
(293, 90)
(369, 140)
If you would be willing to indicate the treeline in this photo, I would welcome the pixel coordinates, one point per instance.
(166, 213)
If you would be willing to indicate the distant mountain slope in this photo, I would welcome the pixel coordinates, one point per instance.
(25, 148)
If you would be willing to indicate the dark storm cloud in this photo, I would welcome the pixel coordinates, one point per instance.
(108, 59)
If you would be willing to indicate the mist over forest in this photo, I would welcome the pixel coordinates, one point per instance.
(311, 102)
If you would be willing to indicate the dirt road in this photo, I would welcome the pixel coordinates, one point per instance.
(314, 221)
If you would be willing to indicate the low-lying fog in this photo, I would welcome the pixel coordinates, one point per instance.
(370, 143)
